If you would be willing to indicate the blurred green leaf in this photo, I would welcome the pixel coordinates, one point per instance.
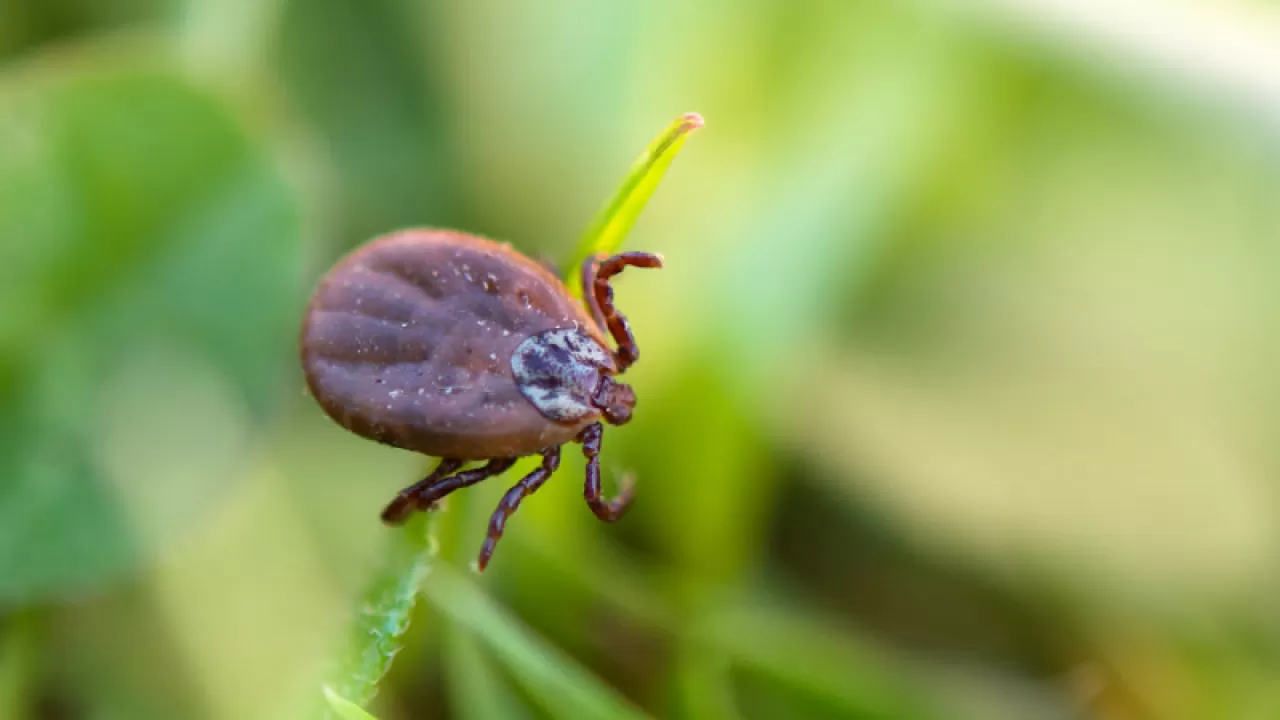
(708, 530)
(478, 691)
(384, 612)
(701, 682)
(140, 223)
(20, 649)
(25, 25)
(850, 169)
(605, 574)
(562, 686)
(610, 228)
(354, 71)
(811, 657)
(345, 709)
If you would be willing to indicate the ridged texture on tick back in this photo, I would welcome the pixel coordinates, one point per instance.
(408, 340)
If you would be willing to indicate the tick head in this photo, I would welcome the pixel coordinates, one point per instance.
(564, 373)
(616, 400)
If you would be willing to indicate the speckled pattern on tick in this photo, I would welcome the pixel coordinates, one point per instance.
(461, 348)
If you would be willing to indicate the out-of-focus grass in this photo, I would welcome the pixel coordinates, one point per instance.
(561, 687)
(956, 396)
(152, 249)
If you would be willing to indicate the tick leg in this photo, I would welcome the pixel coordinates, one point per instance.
(439, 483)
(588, 277)
(511, 501)
(399, 508)
(601, 302)
(606, 510)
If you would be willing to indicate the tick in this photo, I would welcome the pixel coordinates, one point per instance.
(461, 348)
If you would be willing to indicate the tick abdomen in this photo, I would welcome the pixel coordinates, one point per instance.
(408, 341)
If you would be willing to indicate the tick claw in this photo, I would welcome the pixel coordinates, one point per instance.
(397, 511)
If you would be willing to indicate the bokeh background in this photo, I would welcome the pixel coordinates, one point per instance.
(958, 398)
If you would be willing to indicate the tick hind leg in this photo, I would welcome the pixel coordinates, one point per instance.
(606, 510)
(599, 296)
(438, 484)
(511, 501)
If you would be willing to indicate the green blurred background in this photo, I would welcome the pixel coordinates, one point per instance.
(958, 397)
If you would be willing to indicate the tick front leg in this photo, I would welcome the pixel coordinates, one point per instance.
(595, 284)
(588, 277)
(511, 501)
(435, 486)
(606, 510)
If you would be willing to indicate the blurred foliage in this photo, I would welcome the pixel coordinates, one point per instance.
(957, 397)
(151, 250)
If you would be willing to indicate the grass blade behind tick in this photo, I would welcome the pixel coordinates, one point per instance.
(610, 228)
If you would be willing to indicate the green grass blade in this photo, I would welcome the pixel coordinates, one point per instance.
(344, 708)
(476, 690)
(562, 686)
(810, 656)
(610, 228)
(383, 613)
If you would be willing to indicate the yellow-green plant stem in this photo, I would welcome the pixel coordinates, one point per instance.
(605, 234)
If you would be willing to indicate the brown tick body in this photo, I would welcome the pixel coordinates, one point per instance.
(461, 348)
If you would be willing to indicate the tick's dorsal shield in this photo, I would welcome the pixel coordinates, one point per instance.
(559, 372)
